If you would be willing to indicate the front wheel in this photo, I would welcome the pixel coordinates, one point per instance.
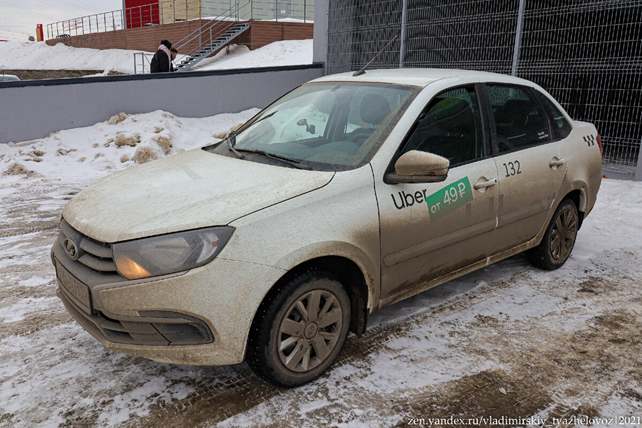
(299, 333)
(559, 239)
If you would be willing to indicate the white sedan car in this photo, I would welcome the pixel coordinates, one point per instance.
(346, 195)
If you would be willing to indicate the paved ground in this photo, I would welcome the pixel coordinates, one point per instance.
(508, 341)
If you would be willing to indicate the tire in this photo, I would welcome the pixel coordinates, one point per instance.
(559, 239)
(299, 332)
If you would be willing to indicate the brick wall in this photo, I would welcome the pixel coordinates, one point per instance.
(141, 39)
(262, 33)
(148, 39)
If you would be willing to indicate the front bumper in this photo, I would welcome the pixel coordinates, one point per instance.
(201, 317)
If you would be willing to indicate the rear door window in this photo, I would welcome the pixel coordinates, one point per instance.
(519, 119)
(559, 125)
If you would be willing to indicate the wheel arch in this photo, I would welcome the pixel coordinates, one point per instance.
(346, 271)
(578, 196)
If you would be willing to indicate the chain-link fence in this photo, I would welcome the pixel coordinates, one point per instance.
(586, 53)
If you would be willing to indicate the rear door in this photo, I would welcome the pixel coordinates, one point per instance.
(529, 161)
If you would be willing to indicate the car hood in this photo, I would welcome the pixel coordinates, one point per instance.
(181, 192)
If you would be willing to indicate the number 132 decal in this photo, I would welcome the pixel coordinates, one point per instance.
(513, 168)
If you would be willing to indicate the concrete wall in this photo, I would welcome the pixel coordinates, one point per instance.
(33, 109)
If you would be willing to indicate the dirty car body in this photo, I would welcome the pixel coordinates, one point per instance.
(346, 195)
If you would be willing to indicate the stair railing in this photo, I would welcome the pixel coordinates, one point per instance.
(203, 35)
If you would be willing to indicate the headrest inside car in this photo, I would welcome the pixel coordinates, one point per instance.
(374, 109)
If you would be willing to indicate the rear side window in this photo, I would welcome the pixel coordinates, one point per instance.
(450, 127)
(559, 125)
(519, 118)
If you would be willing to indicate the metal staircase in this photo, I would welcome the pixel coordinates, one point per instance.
(211, 37)
(213, 46)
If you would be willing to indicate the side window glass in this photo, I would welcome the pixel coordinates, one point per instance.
(559, 125)
(450, 127)
(519, 118)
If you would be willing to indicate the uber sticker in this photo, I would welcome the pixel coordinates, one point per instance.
(449, 198)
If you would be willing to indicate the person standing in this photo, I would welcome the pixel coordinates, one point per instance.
(162, 60)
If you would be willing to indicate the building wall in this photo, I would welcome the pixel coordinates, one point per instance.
(170, 11)
(33, 109)
(148, 39)
(141, 12)
(142, 38)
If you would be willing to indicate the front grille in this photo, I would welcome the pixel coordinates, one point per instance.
(154, 328)
(89, 261)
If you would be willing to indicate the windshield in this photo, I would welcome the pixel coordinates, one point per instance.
(327, 126)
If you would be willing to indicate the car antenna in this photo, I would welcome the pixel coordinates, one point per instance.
(363, 70)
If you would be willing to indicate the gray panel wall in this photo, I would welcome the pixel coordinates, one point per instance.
(33, 109)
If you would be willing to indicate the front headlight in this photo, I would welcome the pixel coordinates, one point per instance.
(174, 252)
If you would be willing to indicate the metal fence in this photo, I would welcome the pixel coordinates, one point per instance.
(586, 53)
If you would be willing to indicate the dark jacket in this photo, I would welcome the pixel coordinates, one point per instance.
(160, 62)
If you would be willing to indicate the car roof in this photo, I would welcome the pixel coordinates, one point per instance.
(420, 76)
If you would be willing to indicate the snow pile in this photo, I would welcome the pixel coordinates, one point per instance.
(122, 141)
(40, 56)
(287, 52)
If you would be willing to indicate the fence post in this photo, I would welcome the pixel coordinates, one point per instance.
(404, 25)
(638, 170)
(518, 36)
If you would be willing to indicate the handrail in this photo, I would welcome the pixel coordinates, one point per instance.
(217, 23)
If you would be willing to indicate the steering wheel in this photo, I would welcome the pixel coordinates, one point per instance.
(359, 136)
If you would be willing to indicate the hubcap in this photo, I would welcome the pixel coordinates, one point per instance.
(310, 330)
(563, 234)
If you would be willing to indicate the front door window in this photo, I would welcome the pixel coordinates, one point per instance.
(450, 127)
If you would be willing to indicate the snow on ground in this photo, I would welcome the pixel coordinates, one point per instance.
(120, 142)
(40, 56)
(508, 340)
(287, 52)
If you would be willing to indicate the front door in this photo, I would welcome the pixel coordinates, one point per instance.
(428, 230)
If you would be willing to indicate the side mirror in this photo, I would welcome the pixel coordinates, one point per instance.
(419, 167)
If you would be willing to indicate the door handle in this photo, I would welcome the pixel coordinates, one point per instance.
(556, 162)
(485, 184)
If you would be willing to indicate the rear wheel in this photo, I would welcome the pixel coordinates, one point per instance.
(299, 333)
(559, 239)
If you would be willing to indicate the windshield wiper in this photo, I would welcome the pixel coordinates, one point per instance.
(266, 116)
(231, 140)
(293, 162)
